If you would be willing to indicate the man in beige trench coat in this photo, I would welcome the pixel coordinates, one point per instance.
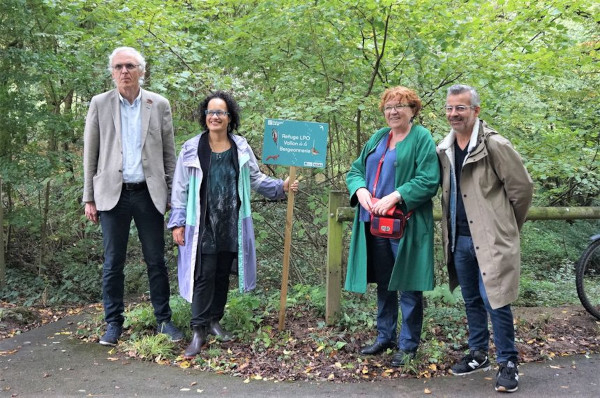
(486, 193)
(128, 165)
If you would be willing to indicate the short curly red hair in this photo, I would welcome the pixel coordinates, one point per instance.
(402, 95)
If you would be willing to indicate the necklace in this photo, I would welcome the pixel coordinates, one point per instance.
(220, 155)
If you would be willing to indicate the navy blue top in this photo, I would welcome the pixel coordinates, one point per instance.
(462, 224)
(221, 230)
(387, 176)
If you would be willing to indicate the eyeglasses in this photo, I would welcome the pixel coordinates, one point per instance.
(458, 108)
(397, 107)
(218, 113)
(127, 66)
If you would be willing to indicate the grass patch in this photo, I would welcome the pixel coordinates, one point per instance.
(149, 348)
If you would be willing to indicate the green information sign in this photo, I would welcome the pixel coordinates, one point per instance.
(295, 143)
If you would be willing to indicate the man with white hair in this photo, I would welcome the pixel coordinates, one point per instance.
(128, 162)
(486, 192)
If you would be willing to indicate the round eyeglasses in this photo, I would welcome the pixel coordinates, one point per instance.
(126, 66)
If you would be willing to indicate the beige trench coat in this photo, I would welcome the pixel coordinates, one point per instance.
(497, 193)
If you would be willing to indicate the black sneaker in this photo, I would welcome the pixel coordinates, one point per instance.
(170, 330)
(507, 378)
(113, 332)
(473, 362)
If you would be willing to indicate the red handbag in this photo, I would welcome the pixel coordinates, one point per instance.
(393, 223)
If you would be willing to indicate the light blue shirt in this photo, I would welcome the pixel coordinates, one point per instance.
(131, 138)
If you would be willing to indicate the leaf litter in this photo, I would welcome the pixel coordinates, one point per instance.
(309, 350)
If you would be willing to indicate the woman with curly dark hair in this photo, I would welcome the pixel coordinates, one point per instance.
(210, 215)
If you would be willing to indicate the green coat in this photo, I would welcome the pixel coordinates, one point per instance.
(417, 179)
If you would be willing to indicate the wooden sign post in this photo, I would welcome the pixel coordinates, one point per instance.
(287, 248)
(293, 143)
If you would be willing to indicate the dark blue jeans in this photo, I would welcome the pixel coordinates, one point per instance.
(115, 232)
(478, 306)
(384, 251)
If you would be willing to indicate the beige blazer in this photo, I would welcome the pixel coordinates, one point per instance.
(102, 150)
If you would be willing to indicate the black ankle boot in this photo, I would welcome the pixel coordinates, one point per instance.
(198, 340)
(216, 329)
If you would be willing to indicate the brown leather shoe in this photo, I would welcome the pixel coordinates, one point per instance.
(216, 329)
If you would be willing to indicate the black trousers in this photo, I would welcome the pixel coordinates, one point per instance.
(136, 205)
(211, 285)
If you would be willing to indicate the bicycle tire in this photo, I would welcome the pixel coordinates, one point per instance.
(587, 278)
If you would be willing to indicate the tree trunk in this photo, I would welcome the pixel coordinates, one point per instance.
(68, 111)
(2, 262)
(44, 230)
(9, 207)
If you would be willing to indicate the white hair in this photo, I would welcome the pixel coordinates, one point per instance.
(136, 54)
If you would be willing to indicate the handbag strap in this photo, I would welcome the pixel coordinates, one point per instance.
(381, 163)
(410, 213)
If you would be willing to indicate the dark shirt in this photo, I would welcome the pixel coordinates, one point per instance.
(462, 223)
(221, 227)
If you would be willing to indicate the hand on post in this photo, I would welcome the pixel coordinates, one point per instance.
(287, 186)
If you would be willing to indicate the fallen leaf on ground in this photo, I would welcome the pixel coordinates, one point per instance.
(184, 365)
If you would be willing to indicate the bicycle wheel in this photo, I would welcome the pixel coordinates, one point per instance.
(587, 278)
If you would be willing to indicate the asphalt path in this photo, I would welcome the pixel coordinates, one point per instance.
(50, 362)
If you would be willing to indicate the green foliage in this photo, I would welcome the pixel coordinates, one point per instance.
(555, 291)
(306, 296)
(546, 245)
(242, 313)
(442, 296)
(139, 318)
(181, 313)
(535, 66)
(358, 311)
(549, 251)
(150, 347)
(449, 322)
(136, 277)
(79, 279)
(25, 288)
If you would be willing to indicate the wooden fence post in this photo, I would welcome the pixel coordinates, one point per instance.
(334, 258)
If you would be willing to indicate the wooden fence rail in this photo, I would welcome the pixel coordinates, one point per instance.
(338, 214)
